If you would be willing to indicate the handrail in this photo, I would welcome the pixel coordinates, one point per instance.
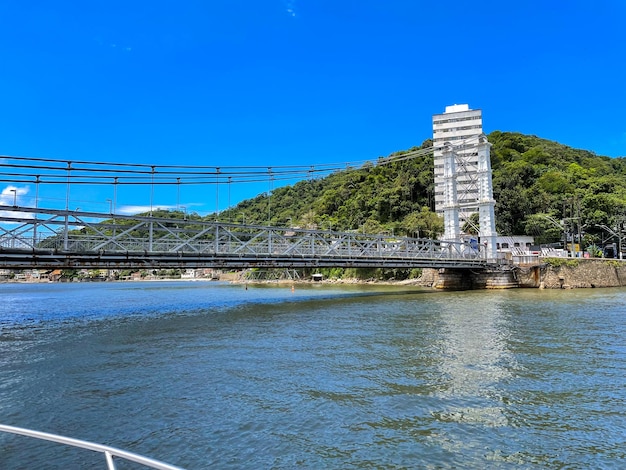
(52, 238)
(109, 452)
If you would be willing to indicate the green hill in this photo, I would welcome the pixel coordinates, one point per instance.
(534, 177)
(534, 180)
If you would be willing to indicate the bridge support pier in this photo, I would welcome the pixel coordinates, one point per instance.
(470, 279)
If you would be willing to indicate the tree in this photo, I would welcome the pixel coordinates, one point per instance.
(424, 224)
(544, 227)
(373, 226)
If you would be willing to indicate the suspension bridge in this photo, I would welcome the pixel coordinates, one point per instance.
(38, 228)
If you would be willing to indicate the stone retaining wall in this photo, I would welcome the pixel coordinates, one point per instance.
(465, 279)
(574, 273)
(551, 273)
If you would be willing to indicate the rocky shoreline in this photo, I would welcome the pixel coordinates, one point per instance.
(551, 273)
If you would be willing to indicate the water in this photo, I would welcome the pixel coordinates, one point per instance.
(210, 375)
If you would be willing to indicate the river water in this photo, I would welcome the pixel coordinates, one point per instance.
(213, 375)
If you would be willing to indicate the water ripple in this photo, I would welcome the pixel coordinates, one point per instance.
(214, 376)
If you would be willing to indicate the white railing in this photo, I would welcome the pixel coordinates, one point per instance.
(109, 452)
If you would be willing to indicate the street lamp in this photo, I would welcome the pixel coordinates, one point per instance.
(110, 206)
(14, 191)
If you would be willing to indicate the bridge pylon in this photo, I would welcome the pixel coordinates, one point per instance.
(486, 203)
(452, 230)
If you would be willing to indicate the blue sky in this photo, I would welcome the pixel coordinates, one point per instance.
(277, 82)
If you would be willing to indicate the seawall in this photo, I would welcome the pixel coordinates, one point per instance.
(549, 273)
(573, 273)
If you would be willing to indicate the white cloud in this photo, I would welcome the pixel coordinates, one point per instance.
(10, 195)
(134, 210)
(121, 48)
(290, 7)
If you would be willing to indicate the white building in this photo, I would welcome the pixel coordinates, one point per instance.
(461, 127)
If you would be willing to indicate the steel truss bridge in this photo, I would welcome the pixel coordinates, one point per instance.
(52, 238)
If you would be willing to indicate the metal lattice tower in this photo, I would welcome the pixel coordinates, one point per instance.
(467, 177)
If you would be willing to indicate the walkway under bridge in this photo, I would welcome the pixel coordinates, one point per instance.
(50, 238)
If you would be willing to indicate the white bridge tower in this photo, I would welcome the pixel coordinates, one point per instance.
(486, 202)
(482, 180)
(450, 201)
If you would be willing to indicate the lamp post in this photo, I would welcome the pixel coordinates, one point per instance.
(14, 191)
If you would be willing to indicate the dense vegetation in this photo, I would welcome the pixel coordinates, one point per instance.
(394, 198)
(538, 184)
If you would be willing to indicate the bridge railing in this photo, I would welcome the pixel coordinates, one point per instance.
(58, 231)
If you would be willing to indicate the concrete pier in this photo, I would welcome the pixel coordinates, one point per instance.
(467, 279)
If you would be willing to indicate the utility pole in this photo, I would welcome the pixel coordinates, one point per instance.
(568, 225)
(620, 228)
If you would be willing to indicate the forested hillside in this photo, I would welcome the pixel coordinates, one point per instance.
(394, 197)
(534, 178)
(536, 182)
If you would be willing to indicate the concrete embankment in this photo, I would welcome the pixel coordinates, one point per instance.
(550, 273)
